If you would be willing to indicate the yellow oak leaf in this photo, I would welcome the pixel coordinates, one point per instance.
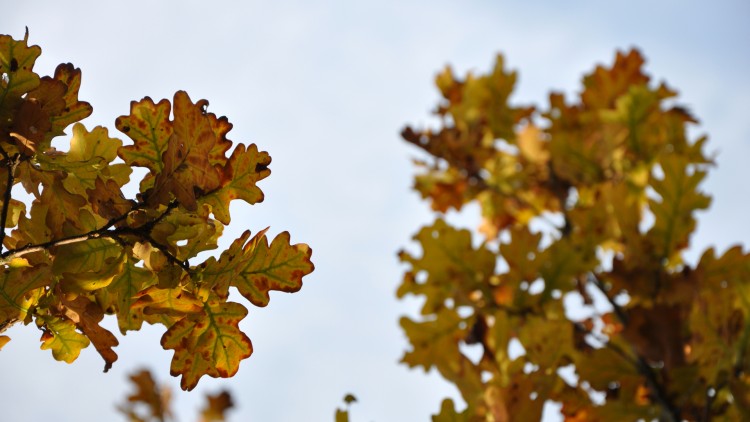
(245, 169)
(255, 268)
(208, 343)
(60, 336)
(149, 127)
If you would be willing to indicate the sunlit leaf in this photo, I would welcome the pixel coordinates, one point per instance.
(256, 268)
(208, 343)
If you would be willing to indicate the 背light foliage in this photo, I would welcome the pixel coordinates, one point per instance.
(578, 292)
(152, 402)
(81, 249)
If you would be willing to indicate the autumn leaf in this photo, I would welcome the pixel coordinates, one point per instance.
(17, 60)
(149, 127)
(62, 208)
(120, 294)
(3, 341)
(187, 170)
(450, 263)
(33, 119)
(159, 302)
(255, 268)
(216, 407)
(208, 343)
(87, 315)
(245, 169)
(187, 234)
(18, 284)
(435, 343)
(448, 413)
(673, 214)
(155, 398)
(74, 110)
(60, 336)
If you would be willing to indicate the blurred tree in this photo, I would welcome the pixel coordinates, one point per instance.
(152, 402)
(577, 292)
(84, 250)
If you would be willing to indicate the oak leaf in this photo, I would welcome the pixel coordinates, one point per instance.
(60, 336)
(208, 342)
(255, 268)
(87, 315)
(245, 169)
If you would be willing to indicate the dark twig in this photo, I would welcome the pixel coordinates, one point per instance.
(621, 315)
(106, 231)
(657, 389)
(185, 265)
(10, 163)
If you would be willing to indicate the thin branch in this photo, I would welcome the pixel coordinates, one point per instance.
(185, 265)
(659, 393)
(11, 163)
(621, 315)
(106, 231)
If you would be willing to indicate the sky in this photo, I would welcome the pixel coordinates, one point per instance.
(325, 87)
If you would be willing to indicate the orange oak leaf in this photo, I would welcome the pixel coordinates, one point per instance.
(87, 315)
(216, 408)
(155, 398)
(74, 110)
(187, 170)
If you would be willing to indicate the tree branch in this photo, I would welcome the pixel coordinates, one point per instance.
(657, 389)
(143, 232)
(10, 163)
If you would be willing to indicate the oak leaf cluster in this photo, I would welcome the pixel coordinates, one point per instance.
(80, 249)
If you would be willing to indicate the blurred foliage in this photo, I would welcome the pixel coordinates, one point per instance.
(576, 291)
(152, 402)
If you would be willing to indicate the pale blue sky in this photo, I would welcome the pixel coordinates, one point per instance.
(325, 87)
